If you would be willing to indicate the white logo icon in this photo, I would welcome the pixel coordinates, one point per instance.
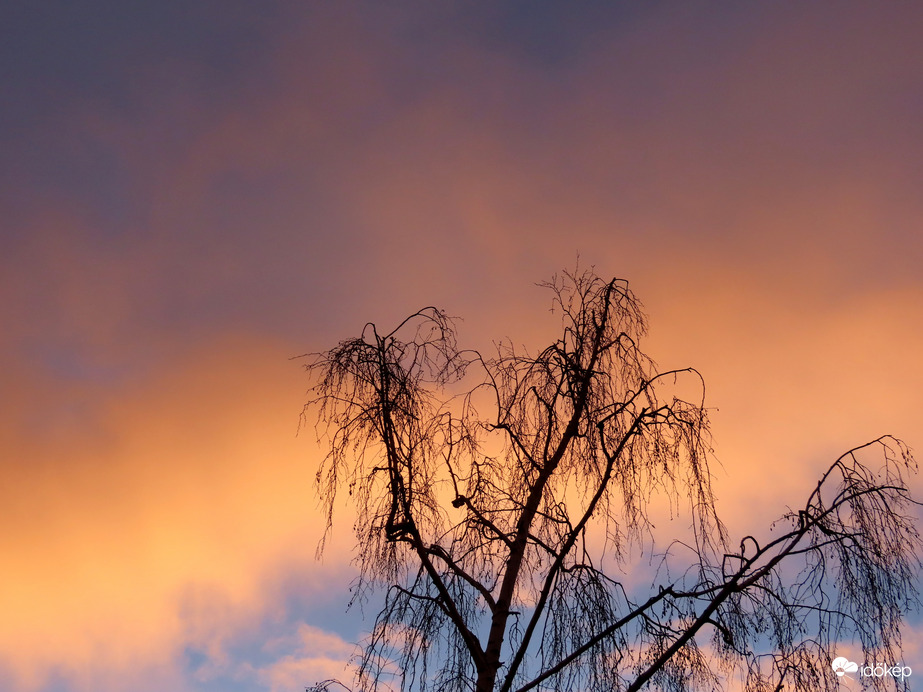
(841, 666)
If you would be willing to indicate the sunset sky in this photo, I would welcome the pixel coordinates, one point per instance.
(193, 193)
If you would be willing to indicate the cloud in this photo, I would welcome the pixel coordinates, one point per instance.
(751, 174)
(317, 656)
(190, 481)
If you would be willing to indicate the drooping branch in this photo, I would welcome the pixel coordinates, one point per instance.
(493, 519)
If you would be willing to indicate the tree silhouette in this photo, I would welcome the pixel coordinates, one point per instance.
(507, 508)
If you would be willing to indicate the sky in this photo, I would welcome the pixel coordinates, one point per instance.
(194, 193)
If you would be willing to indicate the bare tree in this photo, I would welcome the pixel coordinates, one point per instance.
(507, 506)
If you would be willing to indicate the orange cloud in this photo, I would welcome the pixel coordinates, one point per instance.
(190, 482)
(759, 201)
